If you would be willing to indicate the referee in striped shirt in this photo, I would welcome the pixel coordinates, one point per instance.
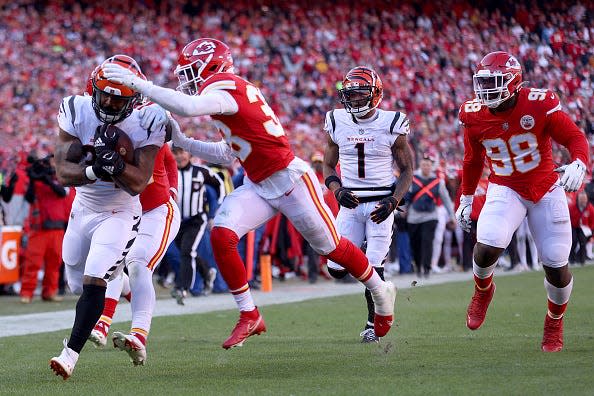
(195, 214)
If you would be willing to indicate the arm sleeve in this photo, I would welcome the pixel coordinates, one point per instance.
(217, 152)
(564, 131)
(474, 159)
(445, 198)
(216, 101)
(170, 167)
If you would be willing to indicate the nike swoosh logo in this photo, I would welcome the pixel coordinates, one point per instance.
(253, 327)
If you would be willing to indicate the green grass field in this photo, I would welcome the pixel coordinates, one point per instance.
(313, 348)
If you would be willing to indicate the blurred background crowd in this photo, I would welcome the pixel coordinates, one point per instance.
(297, 53)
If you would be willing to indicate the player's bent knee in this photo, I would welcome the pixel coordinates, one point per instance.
(223, 238)
(554, 255)
(337, 273)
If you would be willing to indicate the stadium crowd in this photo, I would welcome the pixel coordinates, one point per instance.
(297, 53)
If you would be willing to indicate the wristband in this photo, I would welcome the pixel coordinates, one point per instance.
(332, 178)
(90, 174)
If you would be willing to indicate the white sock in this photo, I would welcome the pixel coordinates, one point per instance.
(244, 301)
(483, 273)
(558, 295)
(374, 282)
(143, 295)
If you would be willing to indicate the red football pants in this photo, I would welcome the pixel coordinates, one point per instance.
(44, 246)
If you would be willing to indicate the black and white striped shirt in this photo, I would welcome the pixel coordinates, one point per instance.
(191, 189)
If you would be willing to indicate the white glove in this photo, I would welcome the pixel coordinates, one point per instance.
(177, 137)
(573, 175)
(153, 117)
(121, 75)
(463, 212)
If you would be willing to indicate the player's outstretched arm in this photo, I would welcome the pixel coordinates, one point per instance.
(172, 100)
(135, 177)
(68, 155)
(217, 152)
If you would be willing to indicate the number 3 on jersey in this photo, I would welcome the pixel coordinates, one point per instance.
(520, 152)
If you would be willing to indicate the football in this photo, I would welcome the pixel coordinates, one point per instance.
(124, 146)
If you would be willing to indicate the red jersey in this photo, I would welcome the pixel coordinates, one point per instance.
(254, 132)
(517, 143)
(581, 217)
(156, 192)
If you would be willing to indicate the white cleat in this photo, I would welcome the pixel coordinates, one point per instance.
(98, 339)
(63, 365)
(130, 344)
(384, 298)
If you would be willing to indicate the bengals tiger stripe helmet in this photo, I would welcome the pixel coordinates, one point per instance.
(111, 101)
(498, 76)
(361, 91)
(199, 60)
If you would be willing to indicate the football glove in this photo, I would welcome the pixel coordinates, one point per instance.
(573, 175)
(463, 212)
(152, 117)
(110, 163)
(105, 138)
(383, 209)
(346, 198)
(121, 75)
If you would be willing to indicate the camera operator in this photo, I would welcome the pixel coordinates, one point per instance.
(48, 215)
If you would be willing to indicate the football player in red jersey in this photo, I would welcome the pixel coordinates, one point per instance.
(512, 126)
(276, 181)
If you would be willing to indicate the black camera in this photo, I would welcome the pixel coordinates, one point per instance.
(40, 167)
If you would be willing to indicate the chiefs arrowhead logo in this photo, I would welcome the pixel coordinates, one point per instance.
(205, 47)
(512, 63)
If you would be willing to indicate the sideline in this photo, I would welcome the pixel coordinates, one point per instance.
(282, 293)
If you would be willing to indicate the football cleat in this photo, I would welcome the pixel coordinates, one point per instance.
(368, 336)
(552, 338)
(250, 323)
(63, 365)
(98, 339)
(384, 298)
(477, 309)
(131, 345)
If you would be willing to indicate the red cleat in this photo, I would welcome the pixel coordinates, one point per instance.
(477, 309)
(250, 323)
(552, 338)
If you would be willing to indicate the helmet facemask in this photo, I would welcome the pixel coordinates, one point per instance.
(357, 99)
(190, 76)
(491, 88)
(110, 106)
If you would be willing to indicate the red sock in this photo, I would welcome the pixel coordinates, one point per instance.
(352, 259)
(556, 311)
(483, 284)
(224, 245)
(110, 307)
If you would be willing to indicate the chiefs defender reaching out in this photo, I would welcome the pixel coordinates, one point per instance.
(512, 126)
(276, 179)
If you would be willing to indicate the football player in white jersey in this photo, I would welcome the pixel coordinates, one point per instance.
(367, 141)
(106, 211)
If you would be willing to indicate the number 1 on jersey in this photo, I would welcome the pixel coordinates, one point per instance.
(361, 159)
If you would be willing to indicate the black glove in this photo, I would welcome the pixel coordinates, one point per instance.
(108, 163)
(105, 138)
(384, 208)
(346, 198)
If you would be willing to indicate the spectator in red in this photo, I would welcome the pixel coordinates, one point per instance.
(581, 213)
(47, 218)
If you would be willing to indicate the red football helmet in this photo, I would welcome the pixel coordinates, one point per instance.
(362, 91)
(498, 76)
(113, 102)
(199, 60)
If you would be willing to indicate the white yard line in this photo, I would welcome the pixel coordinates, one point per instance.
(13, 325)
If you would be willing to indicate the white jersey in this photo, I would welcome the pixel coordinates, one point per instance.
(365, 149)
(77, 117)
